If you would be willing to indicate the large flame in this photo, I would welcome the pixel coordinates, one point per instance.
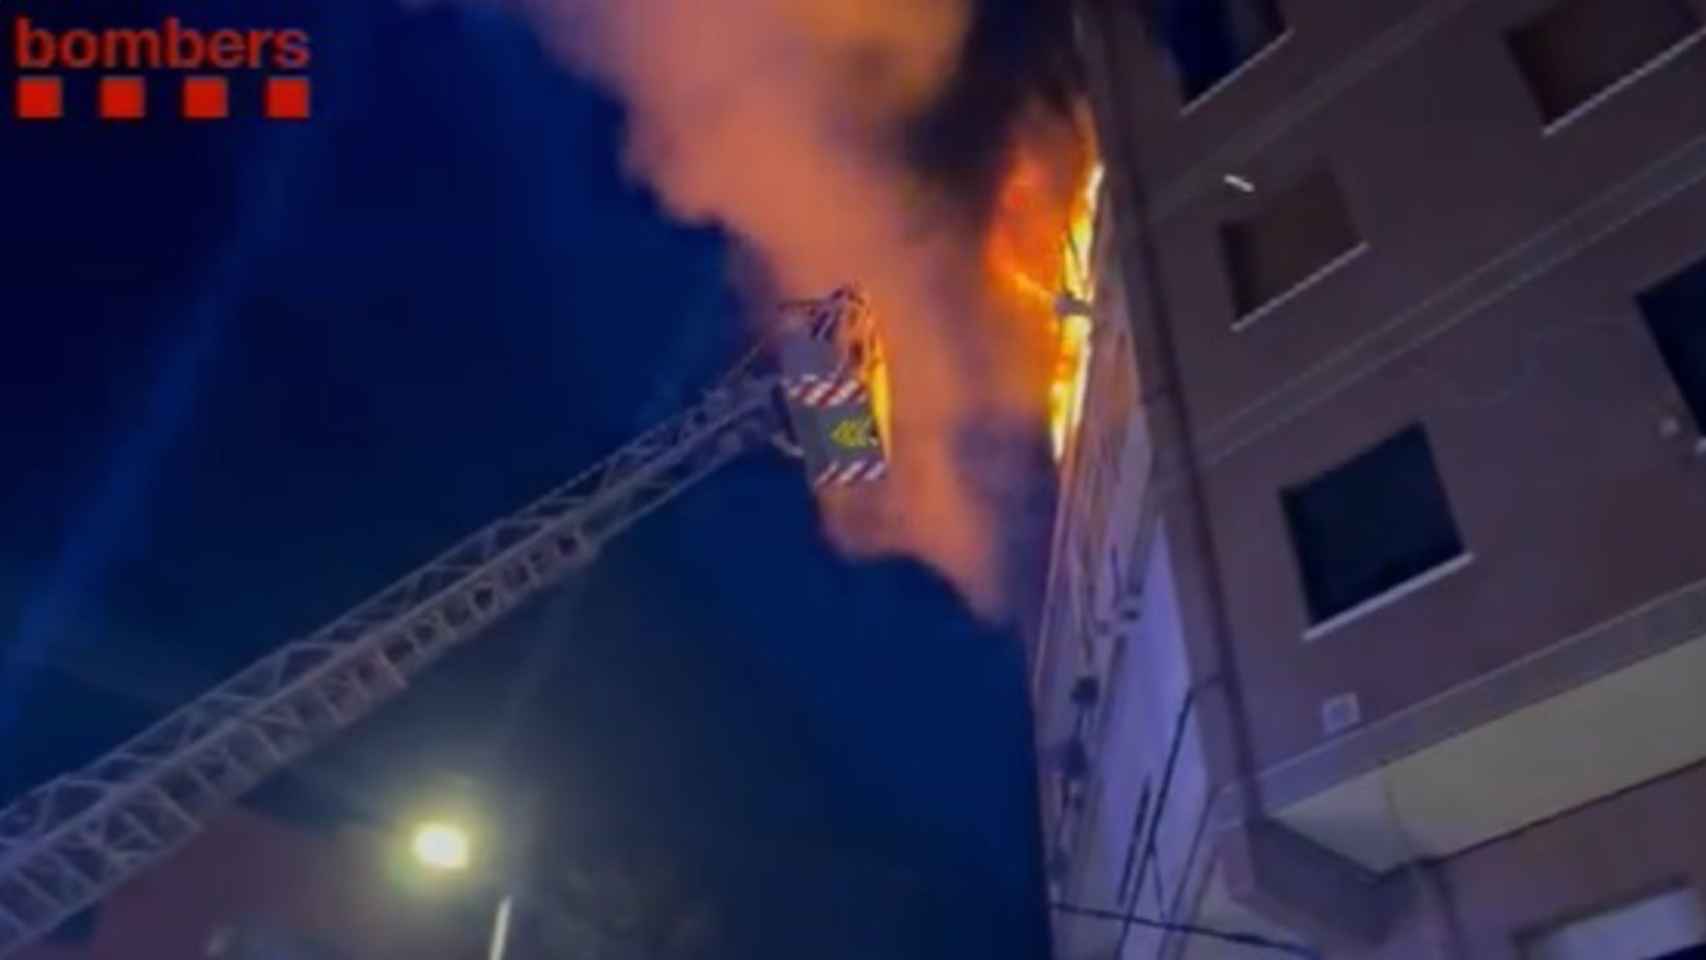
(1038, 256)
(795, 126)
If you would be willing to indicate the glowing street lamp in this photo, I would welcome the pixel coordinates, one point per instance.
(442, 846)
(445, 847)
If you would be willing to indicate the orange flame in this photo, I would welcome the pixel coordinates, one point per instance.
(1037, 254)
(791, 133)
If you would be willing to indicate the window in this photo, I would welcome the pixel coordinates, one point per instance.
(1209, 39)
(1580, 49)
(1300, 232)
(1676, 316)
(1370, 525)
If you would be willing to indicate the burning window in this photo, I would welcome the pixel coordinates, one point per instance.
(1040, 255)
(1066, 402)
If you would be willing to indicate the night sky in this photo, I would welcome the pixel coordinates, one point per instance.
(252, 372)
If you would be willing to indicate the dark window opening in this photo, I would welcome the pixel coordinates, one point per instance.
(1370, 524)
(1300, 229)
(1209, 39)
(1676, 316)
(1578, 49)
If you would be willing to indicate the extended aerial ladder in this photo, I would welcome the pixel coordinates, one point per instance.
(67, 843)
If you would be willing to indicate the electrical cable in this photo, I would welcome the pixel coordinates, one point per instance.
(1253, 940)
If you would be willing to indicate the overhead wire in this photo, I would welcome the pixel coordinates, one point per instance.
(1245, 938)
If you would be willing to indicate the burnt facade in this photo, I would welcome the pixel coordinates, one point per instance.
(1403, 652)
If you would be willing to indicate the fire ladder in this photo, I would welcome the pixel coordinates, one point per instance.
(67, 843)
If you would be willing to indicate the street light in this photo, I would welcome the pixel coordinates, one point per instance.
(441, 845)
(446, 847)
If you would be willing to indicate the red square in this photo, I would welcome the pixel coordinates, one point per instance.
(123, 98)
(206, 98)
(40, 98)
(287, 98)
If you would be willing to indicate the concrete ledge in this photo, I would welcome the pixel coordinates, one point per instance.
(1294, 881)
(1628, 638)
(1388, 597)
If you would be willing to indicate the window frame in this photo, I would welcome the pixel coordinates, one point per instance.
(1249, 211)
(1319, 624)
(1652, 64)
(1694, 407)
(1188, 102)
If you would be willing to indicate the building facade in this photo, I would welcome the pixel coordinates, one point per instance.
(1376, 624)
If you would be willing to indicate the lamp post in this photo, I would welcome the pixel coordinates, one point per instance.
(447, 847)
(500, 928)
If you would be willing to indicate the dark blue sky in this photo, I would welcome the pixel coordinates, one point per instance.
(254, 371)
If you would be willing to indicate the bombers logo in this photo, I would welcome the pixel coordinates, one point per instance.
(43, 55)
(855, 433)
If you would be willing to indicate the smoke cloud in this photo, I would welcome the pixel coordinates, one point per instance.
(864, 140)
